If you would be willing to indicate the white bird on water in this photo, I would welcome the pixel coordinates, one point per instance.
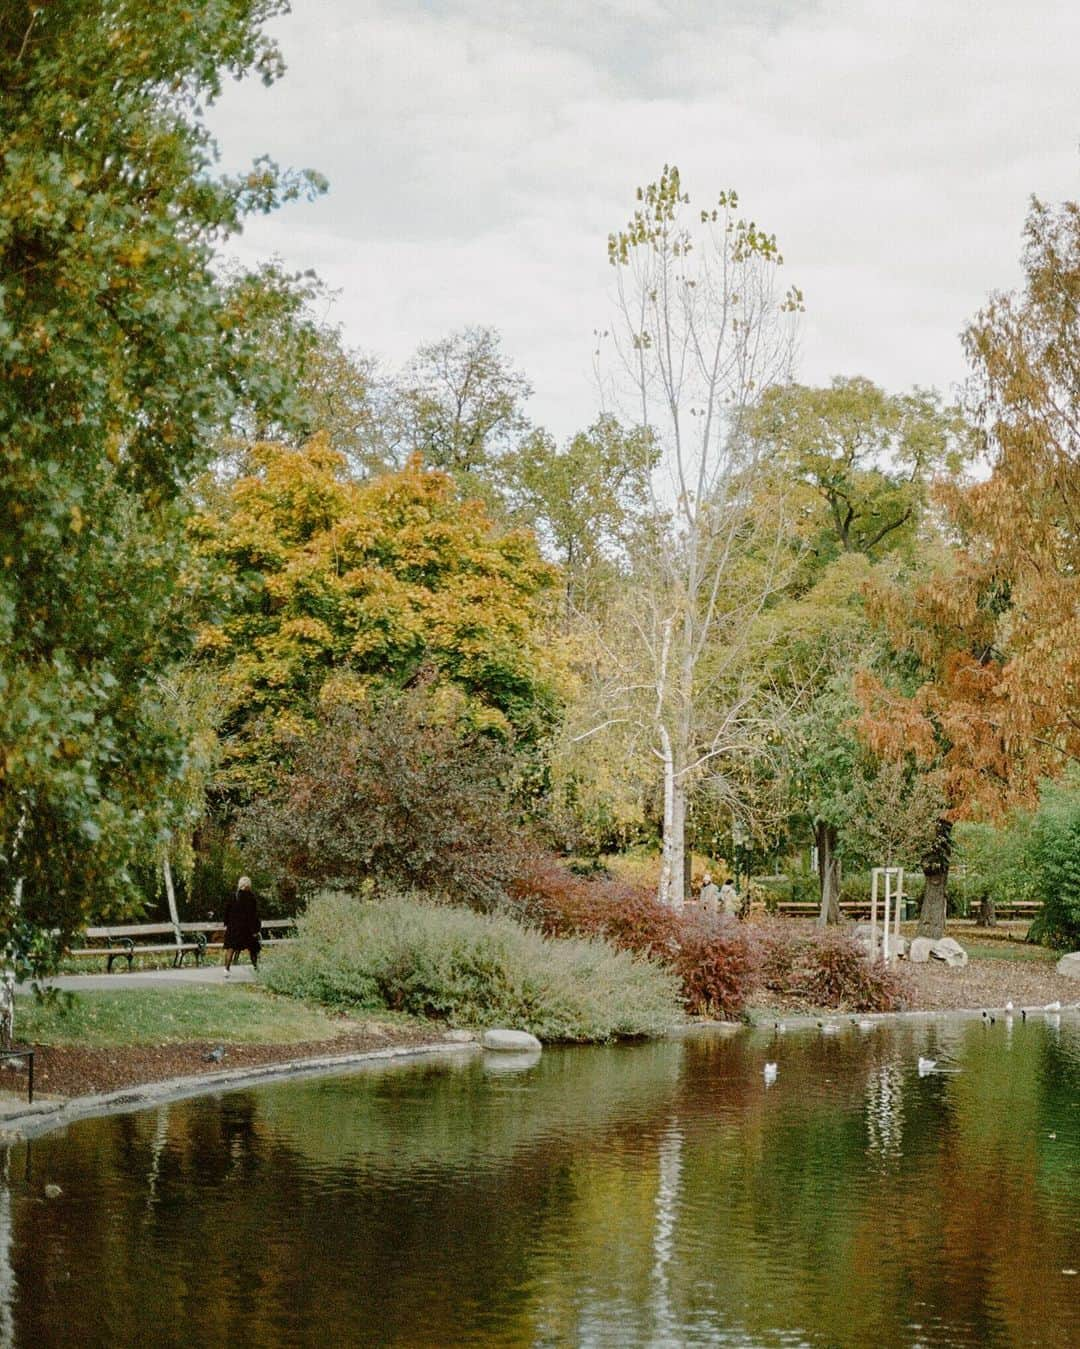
(926, 1066)
(770, 1074)
(1009, 1007)
(1052, 1007)
(828, 1027)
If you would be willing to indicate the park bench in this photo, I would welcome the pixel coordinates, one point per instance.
(127, 940)
(212, 932)
(850, 908)
(1010, 908)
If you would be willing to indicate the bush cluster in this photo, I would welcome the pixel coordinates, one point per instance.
(397, 793)
(824, 968)
(722, 964)
(713, 957)
(469, 969)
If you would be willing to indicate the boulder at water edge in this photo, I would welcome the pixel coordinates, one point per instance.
(919, 950)
(511, 1041)
(951, 952)
(1069, 965)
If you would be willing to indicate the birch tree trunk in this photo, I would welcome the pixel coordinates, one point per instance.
(702, 329)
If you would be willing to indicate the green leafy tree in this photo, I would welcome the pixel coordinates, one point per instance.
(120, 357)
(858, 465)
(865, 458)
(460, 403)
(311, 381)
(587, 501)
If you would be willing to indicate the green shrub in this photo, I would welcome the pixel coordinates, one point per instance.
(1054, 861)
(470, 969)
(991, 862)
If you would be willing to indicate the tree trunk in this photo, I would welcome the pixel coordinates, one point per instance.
(936, 871)
(170, 895)
(828, 872)
(670, 890)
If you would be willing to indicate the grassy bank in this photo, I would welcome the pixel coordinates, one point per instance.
(159, 1016)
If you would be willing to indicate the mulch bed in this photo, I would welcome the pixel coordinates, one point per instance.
(69, 1070)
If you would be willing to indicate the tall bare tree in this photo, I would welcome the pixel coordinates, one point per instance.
(702, 327)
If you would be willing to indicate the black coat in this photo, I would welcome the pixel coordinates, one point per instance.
(242, 925)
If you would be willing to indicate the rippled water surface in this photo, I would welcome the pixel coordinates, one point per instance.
(650, 1195)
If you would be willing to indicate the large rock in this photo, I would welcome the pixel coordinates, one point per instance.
(919, 951)
(951, 952)
(1069, 965)
(511, 1041)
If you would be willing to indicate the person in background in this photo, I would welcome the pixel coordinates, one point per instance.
(729, 898)
(242, 926)
(710, 895)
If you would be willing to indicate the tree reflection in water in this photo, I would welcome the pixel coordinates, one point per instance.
(633, 1195)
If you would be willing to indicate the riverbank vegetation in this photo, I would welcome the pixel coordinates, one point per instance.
(470, 970)
(268, 606)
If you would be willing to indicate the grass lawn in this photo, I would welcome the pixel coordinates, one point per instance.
(156, 1016)
(1011, 951)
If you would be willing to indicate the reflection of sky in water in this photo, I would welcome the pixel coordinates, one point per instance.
(659, 1194)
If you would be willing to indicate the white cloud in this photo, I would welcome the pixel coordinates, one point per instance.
(480, 153)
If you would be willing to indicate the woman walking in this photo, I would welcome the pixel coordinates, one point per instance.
(242, 925)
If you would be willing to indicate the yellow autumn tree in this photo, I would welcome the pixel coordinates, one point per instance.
(323, 590)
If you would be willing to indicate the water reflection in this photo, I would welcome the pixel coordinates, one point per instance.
(649, 1195)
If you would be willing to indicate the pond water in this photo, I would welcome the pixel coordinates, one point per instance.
(662, 1194)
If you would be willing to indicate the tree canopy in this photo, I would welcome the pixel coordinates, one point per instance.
(120, 357)
(323, 589)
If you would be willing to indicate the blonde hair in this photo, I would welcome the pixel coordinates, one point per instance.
(244, 883)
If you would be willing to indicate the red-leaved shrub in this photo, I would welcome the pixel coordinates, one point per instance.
(714, 957)
(824, 968)
(722, 963)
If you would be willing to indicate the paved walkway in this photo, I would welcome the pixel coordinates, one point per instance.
(196, 974)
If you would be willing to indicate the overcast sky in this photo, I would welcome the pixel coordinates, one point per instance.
(480, 152)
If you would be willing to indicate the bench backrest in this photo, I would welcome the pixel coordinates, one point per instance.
(216, 924)
(130, 930)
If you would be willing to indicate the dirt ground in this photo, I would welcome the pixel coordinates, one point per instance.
(73, 1071)
(990, 983)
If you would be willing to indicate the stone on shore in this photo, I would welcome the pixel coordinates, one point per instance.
(919, 950)
(511, 1041)
(1069, 965)
(951, 952)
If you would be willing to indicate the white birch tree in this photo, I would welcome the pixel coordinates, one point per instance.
(703, 326)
